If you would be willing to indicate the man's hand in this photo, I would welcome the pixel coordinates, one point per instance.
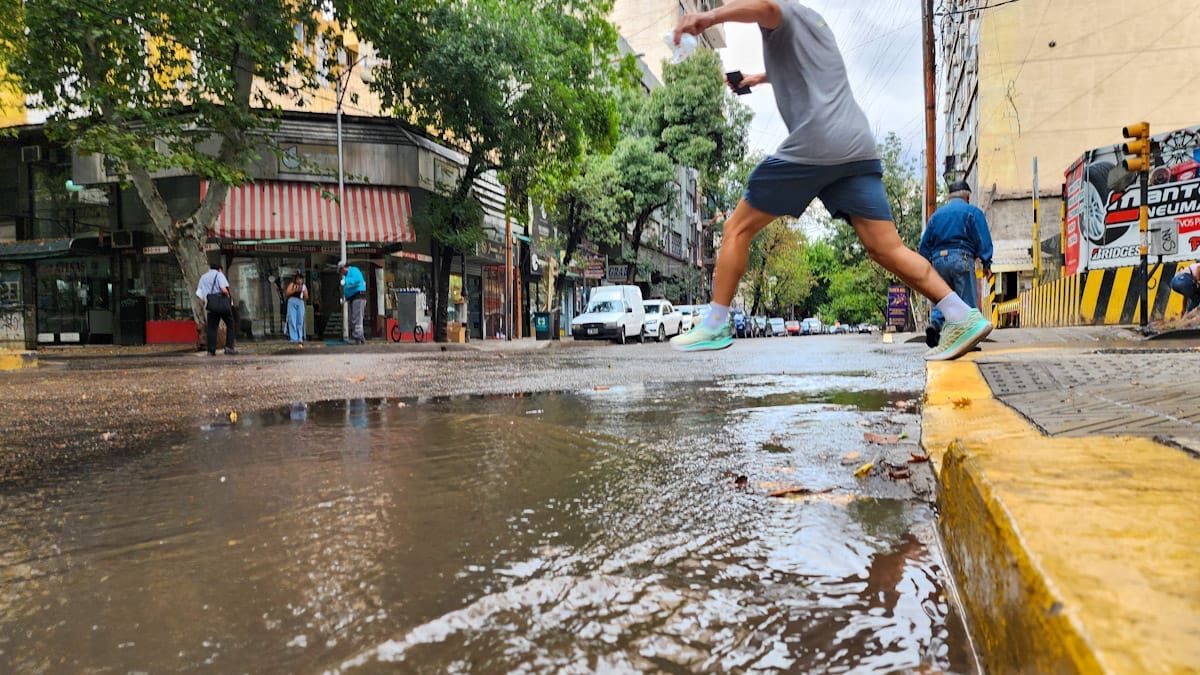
(752, 80)
(693, 24)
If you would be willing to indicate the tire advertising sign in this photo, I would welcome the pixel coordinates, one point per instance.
(1103, 201)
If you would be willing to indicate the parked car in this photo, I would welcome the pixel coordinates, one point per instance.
(792, 326)
(864, 328)
(776, 327)
(741, 324)
(613, 313)
(662, 320)
(810, 326)
(760, 326)
(687, 312)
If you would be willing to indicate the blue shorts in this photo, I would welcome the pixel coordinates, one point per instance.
(782, 188)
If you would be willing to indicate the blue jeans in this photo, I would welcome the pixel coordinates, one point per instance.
(1185, 285)
(295, 319)
(957, 268)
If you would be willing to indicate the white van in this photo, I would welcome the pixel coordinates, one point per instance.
(613, 313)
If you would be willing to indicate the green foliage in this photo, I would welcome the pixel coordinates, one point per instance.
(694, 117)
(117, 74)
(779, 275)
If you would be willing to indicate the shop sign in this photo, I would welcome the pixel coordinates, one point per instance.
(594, 269)
(313, 160)
(897, 313)
(490, 249)
(409, 255)
(163, 250)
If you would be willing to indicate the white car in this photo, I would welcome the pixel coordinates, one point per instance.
(776, 327)
(613, 313)
(662, 320)
(689, 316)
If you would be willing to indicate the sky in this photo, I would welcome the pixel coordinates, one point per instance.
(881, 43)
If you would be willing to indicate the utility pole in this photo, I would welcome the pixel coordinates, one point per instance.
(930, 110)
(1036, 249)
(508, 280)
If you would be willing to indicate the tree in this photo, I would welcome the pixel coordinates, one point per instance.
(695, 119)
(645, 181)
(778, 276)
(589, 208)
(172, 85)
(520, 86)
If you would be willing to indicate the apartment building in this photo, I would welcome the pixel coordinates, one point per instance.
(1049, 80)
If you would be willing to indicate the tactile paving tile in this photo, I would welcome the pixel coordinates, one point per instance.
(1126, 393)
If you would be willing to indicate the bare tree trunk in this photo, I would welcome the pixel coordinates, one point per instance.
(443, 260)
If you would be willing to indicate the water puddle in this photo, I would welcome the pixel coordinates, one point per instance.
(567, 532)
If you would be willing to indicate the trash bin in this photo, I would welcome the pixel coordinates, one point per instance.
(541, 325)
(132, 321)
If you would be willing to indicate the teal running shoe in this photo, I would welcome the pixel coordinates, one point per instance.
(960, 337)
(702, 338)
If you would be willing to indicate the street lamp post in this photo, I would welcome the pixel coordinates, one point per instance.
(340, 94)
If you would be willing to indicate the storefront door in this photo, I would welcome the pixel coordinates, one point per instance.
(475, 306)
(75, 300)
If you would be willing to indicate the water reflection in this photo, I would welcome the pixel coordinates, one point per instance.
(557, 532)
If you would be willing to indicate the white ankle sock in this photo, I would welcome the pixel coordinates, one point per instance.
(953, 307)
(717, 316)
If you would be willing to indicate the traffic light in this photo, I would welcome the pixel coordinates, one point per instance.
(1138, 147)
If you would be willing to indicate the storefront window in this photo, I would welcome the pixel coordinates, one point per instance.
(456, 291)
(74, 299)
(167, 297)
(257, 285)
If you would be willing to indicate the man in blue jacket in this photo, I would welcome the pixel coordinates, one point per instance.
(957, 234)
(354, 290)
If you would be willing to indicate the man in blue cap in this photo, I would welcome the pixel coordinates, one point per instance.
(956, 237)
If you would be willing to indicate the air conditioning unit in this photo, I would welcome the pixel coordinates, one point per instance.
(122, 239)
(31, 153)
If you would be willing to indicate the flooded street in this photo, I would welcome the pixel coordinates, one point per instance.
(564, 531)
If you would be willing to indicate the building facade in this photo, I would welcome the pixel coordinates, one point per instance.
(1047, 81)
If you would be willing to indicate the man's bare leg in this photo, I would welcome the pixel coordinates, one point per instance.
(740, 229)
(965, 326)
(884, 246)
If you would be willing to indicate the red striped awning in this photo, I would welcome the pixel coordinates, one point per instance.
(272, 209)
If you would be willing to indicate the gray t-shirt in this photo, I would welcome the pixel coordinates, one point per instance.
(825, 124)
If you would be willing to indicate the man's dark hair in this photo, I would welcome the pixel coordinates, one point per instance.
(215, 266)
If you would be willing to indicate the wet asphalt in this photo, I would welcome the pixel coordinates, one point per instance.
(71, 409)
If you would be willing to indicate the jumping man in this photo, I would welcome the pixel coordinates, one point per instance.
(829, 153)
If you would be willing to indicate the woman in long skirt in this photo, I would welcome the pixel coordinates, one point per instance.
(297, 293)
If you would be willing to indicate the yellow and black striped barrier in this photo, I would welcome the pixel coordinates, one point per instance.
(1106, 297)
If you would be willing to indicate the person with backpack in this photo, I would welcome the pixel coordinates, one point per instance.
(296, 293)
(213, 289)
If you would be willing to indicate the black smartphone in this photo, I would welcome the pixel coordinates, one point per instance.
(735, 80)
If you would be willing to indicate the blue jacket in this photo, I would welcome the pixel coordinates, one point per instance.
(355, 283)
(958, 225)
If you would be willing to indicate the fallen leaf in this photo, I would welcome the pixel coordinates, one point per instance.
(864, 469)
(599, 388)
(851, 457)
(962, 402)
(899, 474)
(917, 459)
(881, 439)
(108, 435)
(788, 492)
(359, 378)
(232, 542)
(903, 435)
(741, 482)
(233, 417)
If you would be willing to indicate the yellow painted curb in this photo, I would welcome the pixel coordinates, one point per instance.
(17, 360)
(1071, 554)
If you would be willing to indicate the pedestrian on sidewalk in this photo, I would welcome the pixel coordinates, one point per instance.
(829, 153)
(956, 237)
(213, 290)
(354, 290)
(1187, 284)
(297, 293)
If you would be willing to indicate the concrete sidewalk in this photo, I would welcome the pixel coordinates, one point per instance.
(1070, 501)
(283, 347)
